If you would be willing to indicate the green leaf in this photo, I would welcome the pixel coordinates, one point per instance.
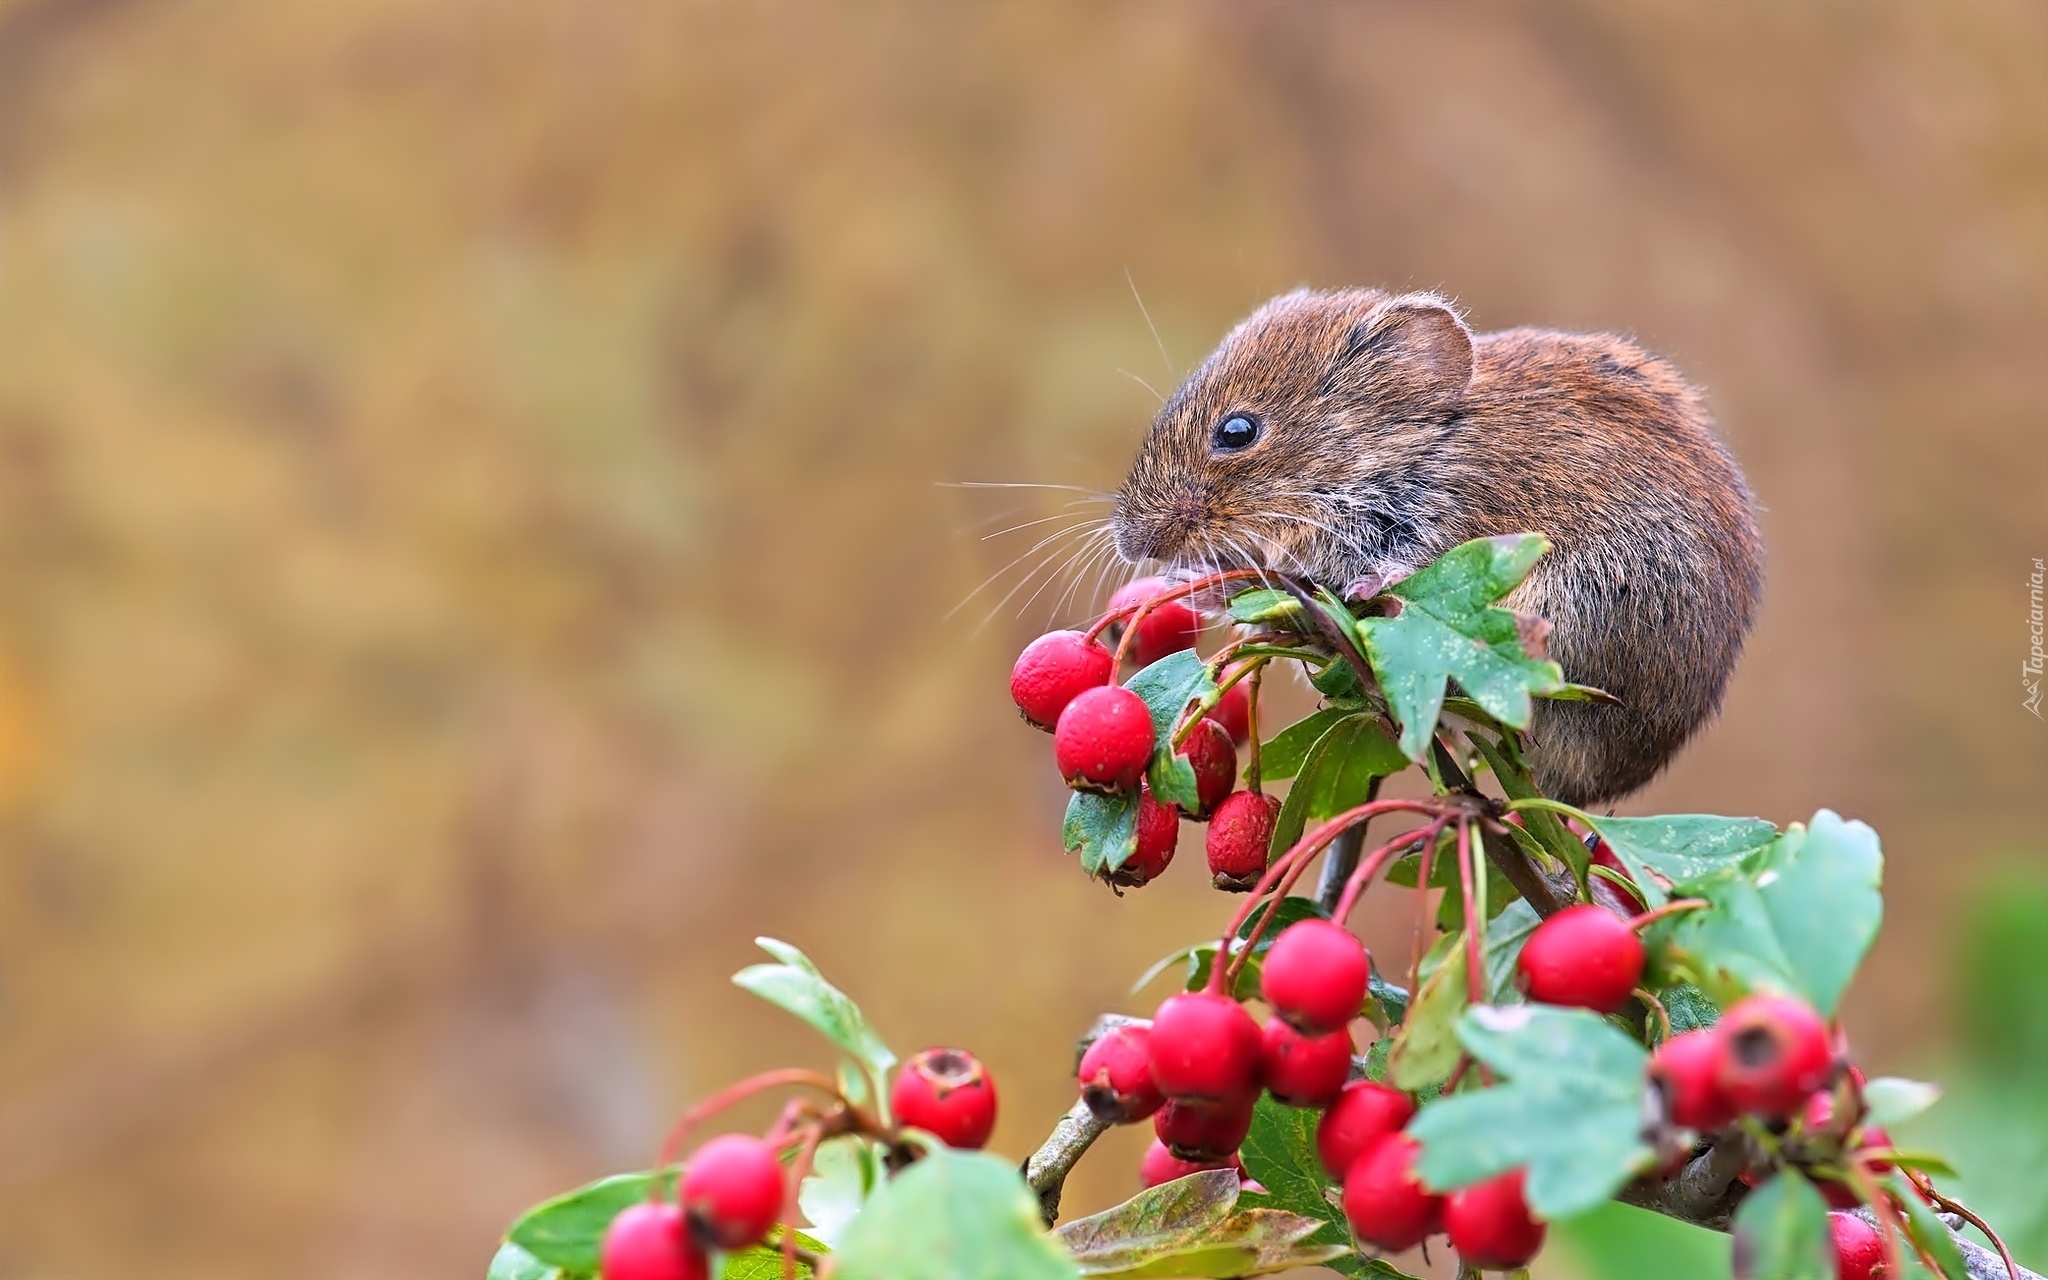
(1263, 605)
(1281, 757)
(1926, 1162)
(1539, 828)
(511, 1262)
(1337, 774)
(1448, 628)
(1280, 1154)
(1168, 687)
(567, 1231)
(764, 1261)
(1927, 1231)
(796, 986)
(954, 1215)
(1796, 920)
(1688, 1008)
(1781, 1232)
(1186, 1228)
(1682, 848)
(1339, 682)
(1892, 1100)
(1426, 1049)
(1102, 829)
(843, 1173)
(1568, 1107)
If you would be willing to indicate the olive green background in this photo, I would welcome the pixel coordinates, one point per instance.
(477, 548)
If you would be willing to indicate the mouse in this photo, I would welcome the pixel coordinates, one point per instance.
(1354, 435)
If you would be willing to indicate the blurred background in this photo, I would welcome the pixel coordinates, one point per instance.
(478, 544)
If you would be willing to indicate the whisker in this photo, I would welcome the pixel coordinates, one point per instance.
(1064, 515)
(1021, 484)
(1133, 282)
(1103, 548)
(1141, 382)
(1053, 537)
(1025, 581)
(1072, 559)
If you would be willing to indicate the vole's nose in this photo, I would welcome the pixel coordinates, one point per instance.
(1136, 540)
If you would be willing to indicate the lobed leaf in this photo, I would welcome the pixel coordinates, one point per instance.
(1568, 1107)
(1102, 829)
(953, 1215)
(1682, 848)
(1449, 628)
(796, 986)
(1798, 918)
(1781, 1232)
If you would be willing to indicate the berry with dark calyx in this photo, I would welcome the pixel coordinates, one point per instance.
(1204, 1133)
(1385, 1202)
(1306, 1071)
(1859, 1249)
(1687, 1071)
(1055, 669)
(1104, 740)
(1316, 975)
(649, 1241)
(1214, 759)
(1161, 1165)
(1205, 1048)
(732, 1192)
(1584, 956)
(1490, 1226)
(1158, 835)
(1240, 831)
(1116, 1076)
(1169, 628)
(1234, 712)
(948, 1094)
(1363, 1113)
(1775, 1054)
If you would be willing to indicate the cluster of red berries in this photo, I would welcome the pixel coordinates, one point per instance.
(1065, 683)
(735, 1189)
(1198, 1069)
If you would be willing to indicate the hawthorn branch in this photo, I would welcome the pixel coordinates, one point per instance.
(1047, 1169)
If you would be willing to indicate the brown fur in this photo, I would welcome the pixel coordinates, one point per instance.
(1392, 434)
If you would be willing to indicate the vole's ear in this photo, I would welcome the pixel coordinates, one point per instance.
(1414, 344)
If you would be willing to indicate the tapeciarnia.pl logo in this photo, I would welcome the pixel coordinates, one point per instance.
(2030, 670)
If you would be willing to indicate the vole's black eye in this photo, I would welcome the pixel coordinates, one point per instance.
(1236, 432)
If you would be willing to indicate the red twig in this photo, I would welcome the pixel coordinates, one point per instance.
(1475, 923)
(1369, 866)
(1136, 612)
(717, 1102)
(1668, 909)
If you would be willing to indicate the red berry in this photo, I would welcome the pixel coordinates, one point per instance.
(1209, 750)
(1316, 975)
(1363, 1113)
(1774, 1055)
(1859, 1249)
(1202, 1133)
(1104, 740)
(1490, 1226)
(1158, 835)
(1234, 712)
(1386, 1204)
(1603, 856)
(1306, 1071)
(1053, 670)
(1116, 1076)
(1161, 1165)
(1239, 833)
(732, 1191)
(948, 1094)
(1167, 629)
(649, 1242)
(1205, 1048)
(1687, 1070)
(1584, 956)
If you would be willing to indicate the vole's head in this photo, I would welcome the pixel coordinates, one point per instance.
(1308, 441)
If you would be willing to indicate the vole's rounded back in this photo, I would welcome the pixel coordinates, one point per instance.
(1353, 434)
